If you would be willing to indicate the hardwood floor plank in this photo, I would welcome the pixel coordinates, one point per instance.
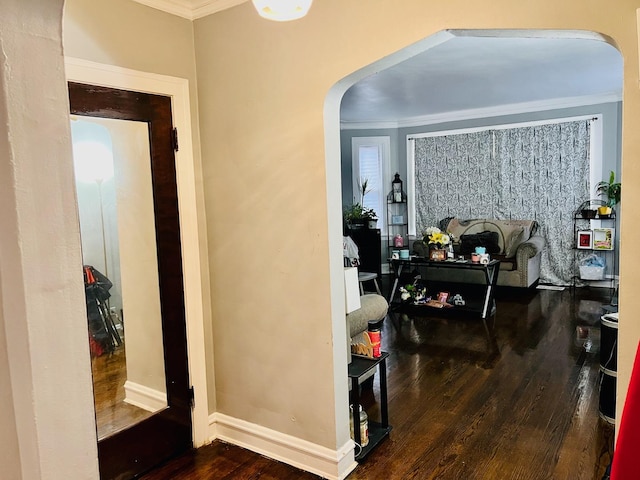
(524, 407)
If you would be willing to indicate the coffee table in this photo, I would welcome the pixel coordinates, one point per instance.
(476, 282)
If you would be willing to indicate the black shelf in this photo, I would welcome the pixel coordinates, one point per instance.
(397, 209)
(360, 365)
(378, 431)
(369, 242)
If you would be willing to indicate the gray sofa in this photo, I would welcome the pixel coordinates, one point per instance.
(373, 308)
(517, 246)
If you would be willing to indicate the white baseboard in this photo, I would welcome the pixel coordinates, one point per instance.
(144, 397)
(307, 456)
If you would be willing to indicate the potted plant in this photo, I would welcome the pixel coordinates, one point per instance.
(354, 216)
(370, 216)
(611, 190)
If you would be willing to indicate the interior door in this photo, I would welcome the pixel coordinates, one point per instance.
(128, 213)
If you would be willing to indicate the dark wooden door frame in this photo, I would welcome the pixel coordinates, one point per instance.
(169, 431)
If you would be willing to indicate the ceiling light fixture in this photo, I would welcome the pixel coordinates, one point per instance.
(282, 10)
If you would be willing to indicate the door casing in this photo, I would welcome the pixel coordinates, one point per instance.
(194, 252)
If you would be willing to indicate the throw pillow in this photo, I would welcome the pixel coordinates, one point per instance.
(513, 242)
(487, 239)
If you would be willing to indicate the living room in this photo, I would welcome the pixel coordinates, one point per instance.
(388, 138)
(385, 129)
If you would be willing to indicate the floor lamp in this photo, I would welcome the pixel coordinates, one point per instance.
(94, 164)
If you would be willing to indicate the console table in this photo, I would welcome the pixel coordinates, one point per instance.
(476, 281)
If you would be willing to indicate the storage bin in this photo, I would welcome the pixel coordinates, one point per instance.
(589, 272)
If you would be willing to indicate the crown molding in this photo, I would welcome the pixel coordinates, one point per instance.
(191, 9)
(497, 111)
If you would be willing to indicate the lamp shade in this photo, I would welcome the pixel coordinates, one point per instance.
(282, 10)
(93, 161)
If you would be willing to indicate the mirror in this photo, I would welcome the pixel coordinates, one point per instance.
(117, 228)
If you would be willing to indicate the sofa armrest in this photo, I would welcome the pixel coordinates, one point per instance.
(530, 248)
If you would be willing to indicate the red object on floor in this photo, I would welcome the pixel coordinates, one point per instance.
(625, 459)
(95, 348)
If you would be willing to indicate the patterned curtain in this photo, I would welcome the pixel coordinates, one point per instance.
(451, 173)
(539, 172)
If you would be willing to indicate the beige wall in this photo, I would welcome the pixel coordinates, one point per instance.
(9, 449)
(262, 91)
(44, 326)
(126, 34)
(262, 88)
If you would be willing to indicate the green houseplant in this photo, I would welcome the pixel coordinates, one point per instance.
(611, 190)
(370, 216)
(356, 216)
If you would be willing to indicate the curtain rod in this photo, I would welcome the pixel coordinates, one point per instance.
(489, 128)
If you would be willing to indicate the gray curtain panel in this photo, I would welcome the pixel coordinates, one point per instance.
(531, 173)
(451, 173)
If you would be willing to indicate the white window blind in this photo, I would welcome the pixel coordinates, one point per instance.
(371, 162)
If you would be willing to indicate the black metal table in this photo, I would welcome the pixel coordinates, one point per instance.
(378, 431)
(479, 299)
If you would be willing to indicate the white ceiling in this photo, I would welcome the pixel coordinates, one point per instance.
(471, 76)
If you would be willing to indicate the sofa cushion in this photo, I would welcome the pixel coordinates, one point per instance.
(506, 264)
(373, 308)
(486, 239)
(513, 241)
(504, 228)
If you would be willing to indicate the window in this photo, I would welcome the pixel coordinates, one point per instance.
(370, 163)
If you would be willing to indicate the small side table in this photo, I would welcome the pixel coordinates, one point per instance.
(378, 431)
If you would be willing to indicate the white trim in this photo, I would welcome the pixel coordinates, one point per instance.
(596, 150)
(213, 6)
(193, 255)
(190, 9)
(144, 397)
(505, 126)
(497, 111)
(411, 185)
(180, 8)
(307, 456)
(383, 142)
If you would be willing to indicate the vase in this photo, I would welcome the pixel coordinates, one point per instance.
(604, 211)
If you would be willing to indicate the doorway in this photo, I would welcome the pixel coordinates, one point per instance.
(134, 278)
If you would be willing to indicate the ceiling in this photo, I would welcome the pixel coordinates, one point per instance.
(469, 76)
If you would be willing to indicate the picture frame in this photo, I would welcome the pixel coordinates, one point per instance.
(603, 238)
(397, 219)
(437, 255)
(585, 240)
(443, 297)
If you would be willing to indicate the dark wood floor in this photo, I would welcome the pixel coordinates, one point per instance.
(112, 412)
(524, 407)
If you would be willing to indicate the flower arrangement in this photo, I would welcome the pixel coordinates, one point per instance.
(415, 292)
(436, 237)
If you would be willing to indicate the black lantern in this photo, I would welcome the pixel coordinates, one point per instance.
(396, 189)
